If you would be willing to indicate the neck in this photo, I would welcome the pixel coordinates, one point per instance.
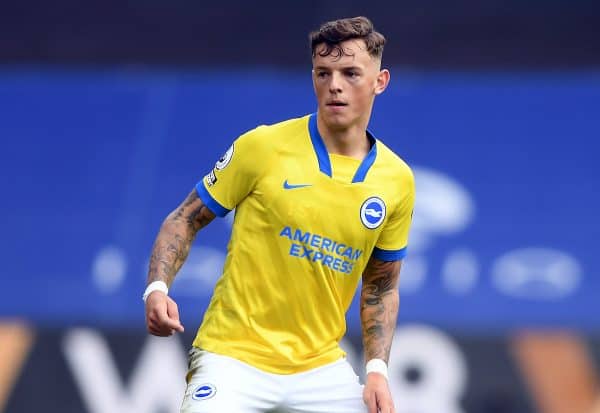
(351, 141)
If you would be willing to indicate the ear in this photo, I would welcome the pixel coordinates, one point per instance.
(383, 79)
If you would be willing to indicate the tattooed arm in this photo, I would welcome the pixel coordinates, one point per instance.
(175, 237)
(170, 250)
(379, 301)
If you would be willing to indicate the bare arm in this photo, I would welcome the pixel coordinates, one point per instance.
(379, 301)
(170, 250)
(175, 237)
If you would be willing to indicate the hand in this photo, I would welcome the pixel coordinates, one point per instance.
(162, 316)
(376, 394)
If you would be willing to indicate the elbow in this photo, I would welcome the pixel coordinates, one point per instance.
(173, 225)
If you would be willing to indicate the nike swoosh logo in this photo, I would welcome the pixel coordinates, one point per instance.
(286, 185)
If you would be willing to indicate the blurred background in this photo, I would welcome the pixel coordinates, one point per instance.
(111, 111)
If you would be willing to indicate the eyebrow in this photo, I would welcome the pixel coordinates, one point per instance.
(343, 68)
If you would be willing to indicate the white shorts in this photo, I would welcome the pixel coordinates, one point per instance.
(225, 385)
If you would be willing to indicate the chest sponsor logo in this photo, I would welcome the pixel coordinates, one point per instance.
(287, 185)
(321, 250)
(372, 212)
(204, 391)
(225, 159)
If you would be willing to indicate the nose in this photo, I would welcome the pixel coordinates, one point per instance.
(335, 84)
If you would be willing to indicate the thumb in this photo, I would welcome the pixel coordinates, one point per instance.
(173, 314)
(175, 325)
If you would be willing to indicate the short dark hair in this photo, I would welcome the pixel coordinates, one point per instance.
(334, 32)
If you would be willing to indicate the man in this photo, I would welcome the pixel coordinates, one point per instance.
(319, 202)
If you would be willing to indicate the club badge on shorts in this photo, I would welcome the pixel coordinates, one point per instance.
(204, 392)
(372, 212)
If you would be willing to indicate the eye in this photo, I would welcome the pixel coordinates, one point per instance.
(322, 74)
(352, 74)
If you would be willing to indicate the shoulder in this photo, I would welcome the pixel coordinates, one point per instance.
(271, 135)
(392, 165)
(257, 148)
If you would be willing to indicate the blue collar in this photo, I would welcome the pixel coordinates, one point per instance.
(323, 155)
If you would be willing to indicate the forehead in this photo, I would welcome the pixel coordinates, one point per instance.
(355, 54)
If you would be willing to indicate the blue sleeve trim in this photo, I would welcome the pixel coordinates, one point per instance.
(209, 201)
(389, 255)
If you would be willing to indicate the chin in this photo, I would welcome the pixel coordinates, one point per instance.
(337, 121)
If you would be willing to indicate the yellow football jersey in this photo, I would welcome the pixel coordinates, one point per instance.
(306, 223)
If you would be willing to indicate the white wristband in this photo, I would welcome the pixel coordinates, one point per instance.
(155, 286)
(377, 366)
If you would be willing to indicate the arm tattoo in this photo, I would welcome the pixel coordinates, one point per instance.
(175, 238)
(379, 301)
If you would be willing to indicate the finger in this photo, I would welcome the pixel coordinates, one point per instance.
(161, 325)
(165, 332)
(167, 323)
(371, 403)
(154, 325)
(386, 405)
(156, 332)
(154, 317)
(173, 313)
(162, 319)
(385, 409)
(155, 329)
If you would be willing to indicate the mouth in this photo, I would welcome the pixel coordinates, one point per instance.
(336, 103)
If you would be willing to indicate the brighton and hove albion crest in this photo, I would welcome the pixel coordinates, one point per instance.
(204, 391)
(372, 212)
(225, 159)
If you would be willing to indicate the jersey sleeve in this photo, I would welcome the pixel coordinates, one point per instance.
(393, 239)
(234, 175)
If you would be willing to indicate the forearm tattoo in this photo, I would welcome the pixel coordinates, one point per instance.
(379, 301)
(175, 237)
